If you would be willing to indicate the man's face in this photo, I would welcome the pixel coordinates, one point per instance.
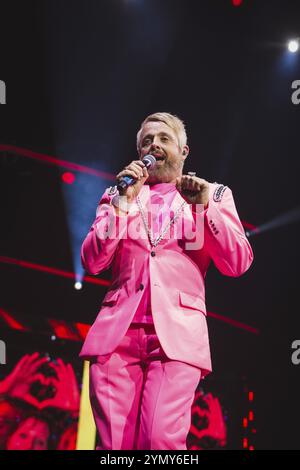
(160, 140)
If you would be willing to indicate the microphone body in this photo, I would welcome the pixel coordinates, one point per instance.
(148, 160)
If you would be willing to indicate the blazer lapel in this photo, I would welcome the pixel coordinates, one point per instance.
(176, 203)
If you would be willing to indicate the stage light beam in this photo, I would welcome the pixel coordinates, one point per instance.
(281, 220)
(78, 285)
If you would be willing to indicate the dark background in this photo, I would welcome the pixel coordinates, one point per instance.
(80, 77)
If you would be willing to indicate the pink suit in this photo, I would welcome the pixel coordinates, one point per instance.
(175, 277)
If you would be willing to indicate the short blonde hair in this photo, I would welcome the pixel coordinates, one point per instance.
(170, 120)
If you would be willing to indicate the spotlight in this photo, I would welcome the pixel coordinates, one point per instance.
(293, 45)
(78, 285)
(68, 177)
(53, 338)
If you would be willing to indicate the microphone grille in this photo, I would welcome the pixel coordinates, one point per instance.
(149, 161)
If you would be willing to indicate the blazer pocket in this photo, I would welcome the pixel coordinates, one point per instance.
(111, 297)
(192, 301)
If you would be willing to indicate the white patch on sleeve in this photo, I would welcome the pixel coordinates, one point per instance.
(218, 193)
(112, 190)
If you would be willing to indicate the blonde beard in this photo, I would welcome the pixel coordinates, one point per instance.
(165, 175)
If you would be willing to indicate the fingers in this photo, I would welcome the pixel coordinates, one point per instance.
(189, 183)
(200, 411)
(40, 378)
(21, 364)
(145, 172)
(60, 369)
(36, 363)
(136, 169)
(27, 360)
(126, 173)
(29, 364)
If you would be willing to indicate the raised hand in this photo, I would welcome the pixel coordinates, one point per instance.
(137, 170)
(17, 384)
(67, 396)
(216, 428)
(194, 190)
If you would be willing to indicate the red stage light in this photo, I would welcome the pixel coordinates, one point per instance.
(236, 3)
(11, 321)
(68, 177)
(55, 271)
(63, 330)
(83, 329)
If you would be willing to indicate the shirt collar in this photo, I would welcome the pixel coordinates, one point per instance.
(163, 188)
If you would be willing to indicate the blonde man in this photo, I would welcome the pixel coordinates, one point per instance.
(149, 345)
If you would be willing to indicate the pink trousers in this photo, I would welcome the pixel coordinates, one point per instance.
(140, 398)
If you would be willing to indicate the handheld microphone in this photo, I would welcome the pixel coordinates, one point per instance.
(148, 160)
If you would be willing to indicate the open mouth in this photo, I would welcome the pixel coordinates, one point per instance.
(159, 158)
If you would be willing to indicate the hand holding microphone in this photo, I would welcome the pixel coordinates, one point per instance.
(131, 179)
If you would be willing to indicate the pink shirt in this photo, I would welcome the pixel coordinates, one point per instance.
(161, 194)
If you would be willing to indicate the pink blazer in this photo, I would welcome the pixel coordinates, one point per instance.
(176, 272)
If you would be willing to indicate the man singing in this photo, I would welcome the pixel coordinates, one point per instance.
(149, 346)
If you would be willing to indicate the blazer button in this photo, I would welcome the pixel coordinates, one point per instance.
(141, 286)
(152, 253)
